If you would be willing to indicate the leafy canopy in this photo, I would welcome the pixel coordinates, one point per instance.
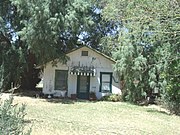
(148, 46)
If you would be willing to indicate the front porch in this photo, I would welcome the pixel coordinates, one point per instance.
(75, 82)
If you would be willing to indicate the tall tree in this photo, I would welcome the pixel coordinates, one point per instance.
(148, 48)
(52, 26)
(10, 53)
(43, 30)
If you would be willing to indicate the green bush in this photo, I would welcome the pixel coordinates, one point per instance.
(174, 107)
(172, 102)
(112, 97)
(12, 118)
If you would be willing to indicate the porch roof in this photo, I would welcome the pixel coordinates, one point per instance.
(83, 70)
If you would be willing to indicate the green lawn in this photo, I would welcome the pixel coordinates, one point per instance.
(96, 118)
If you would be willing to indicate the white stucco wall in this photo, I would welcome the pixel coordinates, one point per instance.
(100, 63)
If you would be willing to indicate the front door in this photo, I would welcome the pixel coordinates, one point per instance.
(83, 83)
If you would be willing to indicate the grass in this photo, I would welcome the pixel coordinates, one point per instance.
(66, 117)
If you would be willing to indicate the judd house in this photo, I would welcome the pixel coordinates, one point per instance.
(87, 71)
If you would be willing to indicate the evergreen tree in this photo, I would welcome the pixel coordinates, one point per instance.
(148, 47)
(52, 27)
(9, 50)
(44, 30)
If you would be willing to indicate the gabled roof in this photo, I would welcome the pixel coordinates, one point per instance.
(100, 53)
(75, 49)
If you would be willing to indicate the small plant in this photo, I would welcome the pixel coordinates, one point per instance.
(12, 118)
(92, 96)
(112, 97)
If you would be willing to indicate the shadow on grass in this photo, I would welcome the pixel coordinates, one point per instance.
(28, 93)
(37, 94)
(158, 111)
(63, 101)
(28, 121)
(68, 101)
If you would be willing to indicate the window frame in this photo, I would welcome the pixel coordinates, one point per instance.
(110, 82)
(66, 79)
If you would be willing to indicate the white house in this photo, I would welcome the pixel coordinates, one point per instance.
(87, 71)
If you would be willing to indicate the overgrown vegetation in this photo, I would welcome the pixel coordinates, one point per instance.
(112, 97)
(142, 35)
(35, 32)
(147, 48)
(12, 118)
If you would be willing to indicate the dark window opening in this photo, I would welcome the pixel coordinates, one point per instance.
(61, 79)
(84, 53)
(106, 82)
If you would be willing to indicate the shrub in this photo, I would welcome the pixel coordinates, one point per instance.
(171, 94)
(173, 105)
(12, 118)
(112, 97)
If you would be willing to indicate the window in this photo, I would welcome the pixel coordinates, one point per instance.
(84, 53)
(61, 79)
(105, 81)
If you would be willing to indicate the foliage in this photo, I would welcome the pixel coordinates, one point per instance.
(148, 47)
(112, 97)
(171, 96)
(9, 59)
(12, 118)
(14, 54)
(40, 31)
(53, 27)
